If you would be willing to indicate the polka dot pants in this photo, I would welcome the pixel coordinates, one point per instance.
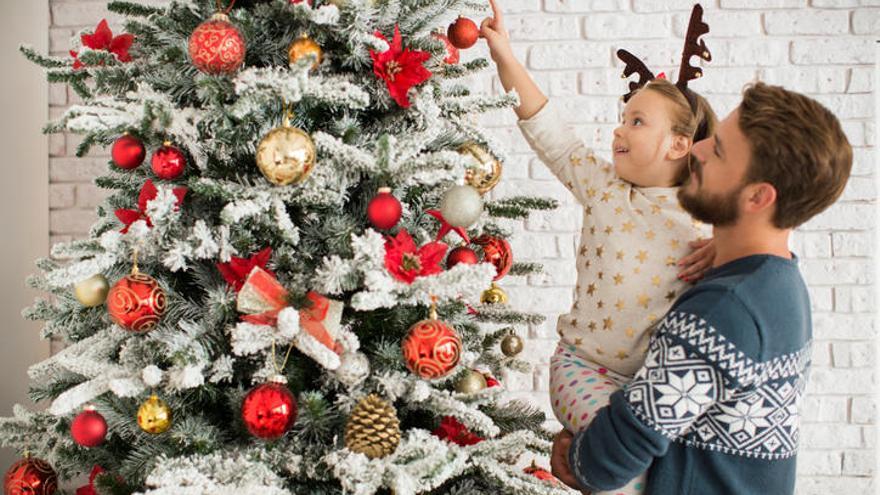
(578, 389)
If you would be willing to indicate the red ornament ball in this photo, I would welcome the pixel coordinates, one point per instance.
(168, 162)
(30, 476)
(128, 152)
(461, 254)
(216, 46)
(136, 302)
(431, 349)
(384, 209)
(452, 53)
(463, 33)
(89, 428)
(269, 410)
(496, 251)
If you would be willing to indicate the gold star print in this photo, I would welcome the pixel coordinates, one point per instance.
(601, 275)
(609, 183)
(600, 304)
(642, 256)
(622, 355)
(644, 300)
(559, 331)
(628, 226)
(575, 160)
(599, 251)
(637, 270)
(588, 210)
(591, 289)
(618, 211)
(591, 192)
(639, 211)
(592, 326)
(620, 255)
(621, 186)
(607, 323)
(578, 341)
(649, 235)
(661, 199)
(599, 351)
(606, 196)
(619, 305)
(655, 280)
(584, 250)
(630, 332)
(670, 261)
(593, 230)
(578, 287)
(618, 279)
(591, 158)
(670, 296)
(655, 209)
(588, 263)
(569, 185)
(573, 322)
(652, 318)
(575, 305)
(669, 223)
(674, 243)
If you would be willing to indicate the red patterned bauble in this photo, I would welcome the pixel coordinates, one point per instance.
(168, 162)
(461, 254)
(30, 476)
(269, 410)
(128, 152)
(463, 33)
(216, 46)
(89, 428)
(496, 251)
(384, 209)
(431, 348)
(136, 302)
(452, 53)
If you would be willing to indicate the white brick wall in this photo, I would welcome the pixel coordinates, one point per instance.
(825, 48)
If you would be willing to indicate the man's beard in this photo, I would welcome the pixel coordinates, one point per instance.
(719, 210)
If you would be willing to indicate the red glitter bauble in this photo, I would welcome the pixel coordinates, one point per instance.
(463, 33)
(384, 209)
(216, 46)
(136, 302)
(128, 152)
(89, 428)
(30, 476)
(269, 410)
(168, 162)
(496, 251)
(461, 254)
(431, 349)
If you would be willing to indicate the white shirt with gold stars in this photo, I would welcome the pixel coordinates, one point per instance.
(630, 242)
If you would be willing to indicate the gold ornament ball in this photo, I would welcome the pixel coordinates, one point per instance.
(154, 415)
(286, 155)
(511, 345)
(92, 291)
(486, 171)
(373, 428)
(493, 295)
(471, 383)
(305, 46)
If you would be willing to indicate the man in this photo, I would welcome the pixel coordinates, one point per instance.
(715, 408)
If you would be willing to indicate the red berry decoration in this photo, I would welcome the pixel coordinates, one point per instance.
(128, 152)
(136, 302)
(452, 53)
(30, 476)
(461, 254)
(269, 410)
(89, 428)
(463, 33)
(384, 209)
(216, 46)
(496, 251)
(168, 162)
(431, 348)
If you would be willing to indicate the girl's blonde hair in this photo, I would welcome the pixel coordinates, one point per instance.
(696, 124)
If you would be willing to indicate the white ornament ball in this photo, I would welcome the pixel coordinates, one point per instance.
(354, 367)
(461, 206)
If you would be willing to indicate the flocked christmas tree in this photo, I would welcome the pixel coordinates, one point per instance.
(268, 303)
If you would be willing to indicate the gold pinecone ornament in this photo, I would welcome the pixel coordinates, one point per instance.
(373, 428)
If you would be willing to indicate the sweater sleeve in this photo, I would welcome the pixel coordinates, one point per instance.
(566, 155)
(687, 370)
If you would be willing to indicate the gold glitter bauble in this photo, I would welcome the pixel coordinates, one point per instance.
(511, 345)
(471, 383)
(305, 46)
(154, 415)
(286, 155)
(493, 295)
(485, 173)
(92, 291)
(373, 428)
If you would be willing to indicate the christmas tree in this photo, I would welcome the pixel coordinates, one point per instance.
(269, 304)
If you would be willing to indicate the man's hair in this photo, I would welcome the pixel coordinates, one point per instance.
(799, 147)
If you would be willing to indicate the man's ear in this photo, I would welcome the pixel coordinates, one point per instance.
(759, 196)
(680, 148)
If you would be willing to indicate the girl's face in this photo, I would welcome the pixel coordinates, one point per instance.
(646, 152)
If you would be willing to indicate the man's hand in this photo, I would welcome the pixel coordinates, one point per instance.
(492, 29)
(559, 459)
(694, 265)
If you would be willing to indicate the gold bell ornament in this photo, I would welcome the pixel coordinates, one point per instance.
(493, 295)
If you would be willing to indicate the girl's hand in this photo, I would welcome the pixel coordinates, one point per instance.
(694, 265)
(493, 30)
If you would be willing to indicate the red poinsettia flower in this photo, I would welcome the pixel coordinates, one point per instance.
(400, 68)
(90, 488)
(103, 39)
(148, 193)
(453, 431)
(405, 262)
(236, 271)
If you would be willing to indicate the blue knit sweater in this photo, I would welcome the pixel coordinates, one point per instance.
(715, 408)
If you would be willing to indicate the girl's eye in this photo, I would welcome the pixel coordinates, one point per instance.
(637, 121)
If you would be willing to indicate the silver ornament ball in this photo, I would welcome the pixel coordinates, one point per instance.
(461, 206)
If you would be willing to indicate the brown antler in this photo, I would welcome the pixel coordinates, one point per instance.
(633, 64)
(693, 45)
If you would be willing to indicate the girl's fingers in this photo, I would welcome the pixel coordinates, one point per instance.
(496, 12)
(699, 243)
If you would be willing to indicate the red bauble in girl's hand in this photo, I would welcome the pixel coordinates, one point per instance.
(128, 152)
(463, 33)
(384, 209)
(168, 162)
